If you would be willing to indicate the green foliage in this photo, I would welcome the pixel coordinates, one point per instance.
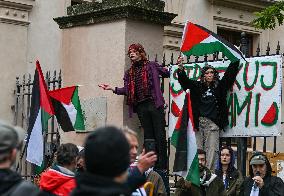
(268, 18)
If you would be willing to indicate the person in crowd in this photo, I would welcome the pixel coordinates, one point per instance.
(106, 160)
(60, 178)
(209, 105)
(210, 184)
(143, 167)
(260, 182)
(226, 171)
(144, 96)
(11, 183)
(80, 167)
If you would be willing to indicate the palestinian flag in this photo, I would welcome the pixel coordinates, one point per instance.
(41, 110)
(67, 108)
(199, 41)
(183, 139)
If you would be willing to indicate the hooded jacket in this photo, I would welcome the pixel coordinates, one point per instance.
(58, 180)
(12, 184)
(91, 184)
(273, 185)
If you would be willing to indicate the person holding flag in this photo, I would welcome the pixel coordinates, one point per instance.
(209, 94)
(209, 107)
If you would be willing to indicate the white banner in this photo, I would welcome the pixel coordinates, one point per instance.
(254, 103)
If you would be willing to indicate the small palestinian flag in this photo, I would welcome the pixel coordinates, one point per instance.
(67, 108)
(199, 41)
(184, 140)
(41, 110)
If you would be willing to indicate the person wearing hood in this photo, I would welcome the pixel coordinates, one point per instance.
(60, 178)
(231, 177)
(209, 105)
(106, 162)
(11, 183)
(260, 182)
(210, 184)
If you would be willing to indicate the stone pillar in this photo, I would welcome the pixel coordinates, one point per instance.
(14, 21)
(96, 37)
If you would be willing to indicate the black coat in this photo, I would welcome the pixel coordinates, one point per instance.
(220, 91)
(90, 184)
(273, 186)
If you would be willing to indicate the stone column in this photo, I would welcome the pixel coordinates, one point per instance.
(96, 37)
(14, 21)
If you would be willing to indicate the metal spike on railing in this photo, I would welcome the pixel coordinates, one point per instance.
(264, 144)
(214, 56)
(172, 59)
(254, 144)
(217, 56)
(148, 57)
(156, 58)
(278, 48)
(258, 50)
(59, 79)
(187, 59)
(196, 58)
(268, 49)
(205, 57)
(24, 82)
(54, 80)
(164, 60)
(274, 142)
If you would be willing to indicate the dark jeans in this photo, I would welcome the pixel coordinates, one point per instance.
(153, 122)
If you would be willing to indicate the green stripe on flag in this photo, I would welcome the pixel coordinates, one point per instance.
(79, 123)
(211, 47)
(193, 173)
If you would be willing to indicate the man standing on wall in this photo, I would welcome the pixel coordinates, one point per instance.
(144, 96)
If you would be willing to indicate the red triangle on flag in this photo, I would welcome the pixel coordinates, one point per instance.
(63, 95)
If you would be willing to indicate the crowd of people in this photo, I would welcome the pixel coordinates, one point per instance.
(110, 163)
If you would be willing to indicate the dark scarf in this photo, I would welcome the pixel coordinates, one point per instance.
(131, 82)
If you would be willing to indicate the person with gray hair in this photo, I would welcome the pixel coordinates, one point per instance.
(11, 183)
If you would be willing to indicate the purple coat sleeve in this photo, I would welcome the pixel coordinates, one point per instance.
(123, 90)
(164, 72)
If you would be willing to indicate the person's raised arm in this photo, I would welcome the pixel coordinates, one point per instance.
(230, 75)
(184, 81)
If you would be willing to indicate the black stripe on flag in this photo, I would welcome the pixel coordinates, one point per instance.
(180, 163)
(62, 116)
(35, 105)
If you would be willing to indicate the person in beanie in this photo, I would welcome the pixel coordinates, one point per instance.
(231, 177)
(60, 178)
(144, 96)
(11, 183)
(260, 181)
(106, 161)
(209, 105)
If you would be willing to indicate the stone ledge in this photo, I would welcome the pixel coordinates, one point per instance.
(25, 5)
(115, 13)
(246, 5)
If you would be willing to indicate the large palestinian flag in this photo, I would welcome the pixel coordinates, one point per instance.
(199, 41)
(67, 108)
(183, 139)
(41, 110)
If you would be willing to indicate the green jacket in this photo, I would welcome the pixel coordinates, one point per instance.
(210, 185)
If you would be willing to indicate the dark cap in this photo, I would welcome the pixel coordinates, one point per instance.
(10, 136)
(107, 152)
(257, 160)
